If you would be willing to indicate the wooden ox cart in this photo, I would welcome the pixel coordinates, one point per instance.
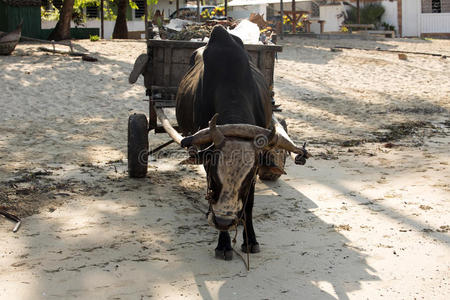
(163, 67)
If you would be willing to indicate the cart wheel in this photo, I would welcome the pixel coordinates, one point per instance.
(279, 158)
(137, 145)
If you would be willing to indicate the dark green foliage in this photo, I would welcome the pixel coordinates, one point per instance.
(387, 26)
(369, 14)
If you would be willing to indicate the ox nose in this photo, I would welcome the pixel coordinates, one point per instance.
(223, 222)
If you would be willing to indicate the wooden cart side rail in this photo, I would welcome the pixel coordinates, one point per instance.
(164, 89)
(195, 45)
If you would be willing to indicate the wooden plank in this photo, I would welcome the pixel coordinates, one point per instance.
(178, 72)
(181, 56)
(161, 103)
(164, 89)
(170, 61)
(261, 59)
(157, 71)
(196, 45)
(386, 33)
(167, 66)
(269, 59)
(366, 26)
(152, 120)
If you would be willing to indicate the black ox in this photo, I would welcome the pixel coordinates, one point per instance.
(224, 101)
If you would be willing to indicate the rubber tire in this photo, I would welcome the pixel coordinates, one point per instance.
(280, 159)
(137, 145)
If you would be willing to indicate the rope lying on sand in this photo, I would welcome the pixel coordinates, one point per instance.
(393, 51)
(84, 56)
(12, 218)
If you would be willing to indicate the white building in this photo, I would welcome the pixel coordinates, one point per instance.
(425, 18)
(411, 18)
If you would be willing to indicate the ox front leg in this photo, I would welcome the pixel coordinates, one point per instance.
(224, 249)
(249, 232)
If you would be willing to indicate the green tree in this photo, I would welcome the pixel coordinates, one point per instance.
(120, 27)
(62, 28)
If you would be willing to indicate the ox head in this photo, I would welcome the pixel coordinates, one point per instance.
(231, 162)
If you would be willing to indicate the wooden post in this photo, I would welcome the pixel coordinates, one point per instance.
(358, 18)
(282, 14)
(145, 20)
(294, 16)
(102, 19)
(198, 10)
(178, 7)
(308, 25)
(322, 24)
(399, 17)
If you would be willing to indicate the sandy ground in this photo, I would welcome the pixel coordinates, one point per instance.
(366, 218)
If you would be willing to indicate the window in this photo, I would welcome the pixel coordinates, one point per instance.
(141, 10)
(315, 10)
(92, 11)
(436, 6)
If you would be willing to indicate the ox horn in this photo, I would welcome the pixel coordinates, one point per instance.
(217, 137)
(277, 137)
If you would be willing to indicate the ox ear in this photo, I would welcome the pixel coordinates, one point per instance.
(265, 160)
(276, 170)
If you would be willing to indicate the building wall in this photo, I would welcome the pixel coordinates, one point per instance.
(167, 8)
(427, 7)
(10, 17)
(410, 18)
(417, 18)
(390, 15)
(273, 9)
(243, 12)
(435, 23)
(287, 6)
(333, 16)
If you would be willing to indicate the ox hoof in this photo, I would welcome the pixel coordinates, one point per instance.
(251, 248)
(224, 254)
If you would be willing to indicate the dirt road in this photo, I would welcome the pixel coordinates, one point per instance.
(366, 218)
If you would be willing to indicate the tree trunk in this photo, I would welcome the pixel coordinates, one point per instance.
(62, 28)
(120, 28)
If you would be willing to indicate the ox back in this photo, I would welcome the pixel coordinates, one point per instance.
(222, 79)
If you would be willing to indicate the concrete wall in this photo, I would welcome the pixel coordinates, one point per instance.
(390, 15)
(435, 23)
(427, 8)
(243, 12)
(333, 17)
(287, 5)
(410, 18)
(167, 8)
